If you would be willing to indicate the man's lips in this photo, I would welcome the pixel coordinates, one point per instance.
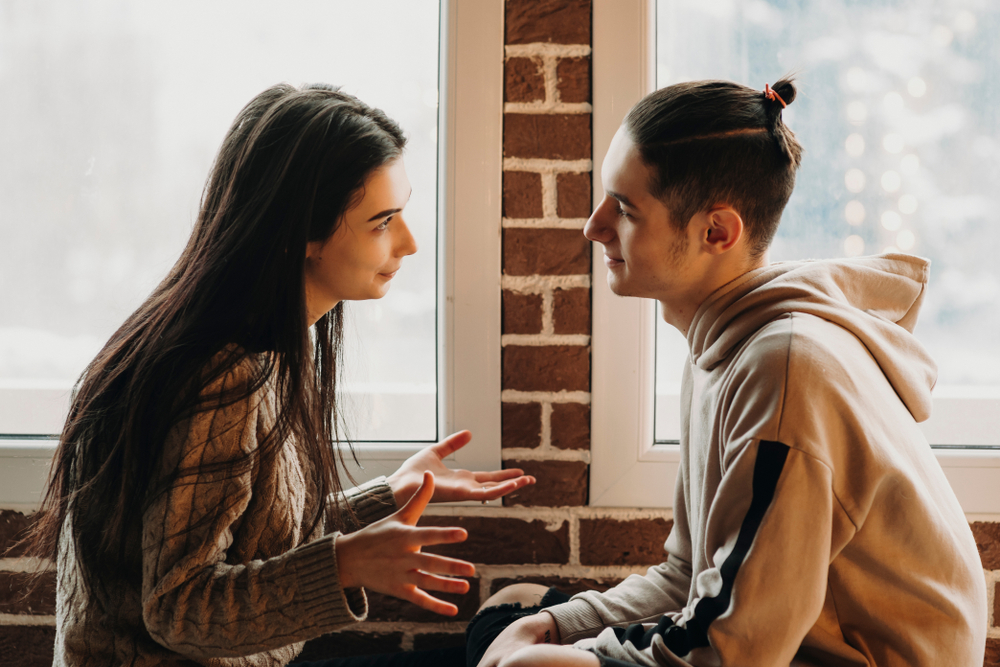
(612, 262)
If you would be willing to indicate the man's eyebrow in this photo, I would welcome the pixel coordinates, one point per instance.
(389, 211)
(621, 198)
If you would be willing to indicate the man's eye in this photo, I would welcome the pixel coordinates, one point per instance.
(621, 213)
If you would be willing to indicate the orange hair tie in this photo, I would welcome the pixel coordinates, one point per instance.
(771, 95)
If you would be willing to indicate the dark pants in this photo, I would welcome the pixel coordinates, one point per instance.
(479, 634)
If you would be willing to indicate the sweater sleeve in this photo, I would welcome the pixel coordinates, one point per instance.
(639, 599)
(369, 502)
(770, 532)
(195, 601)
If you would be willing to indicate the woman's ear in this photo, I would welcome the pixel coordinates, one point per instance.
(723, 229)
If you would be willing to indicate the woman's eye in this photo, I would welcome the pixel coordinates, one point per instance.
(385, 224)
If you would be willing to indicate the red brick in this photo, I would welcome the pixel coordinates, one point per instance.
(546, 368)
(992, 652)
(523, 80)
(560, 252)
(26, 645)
(520, 425)
(571, 426)
(560, 484)
(433, 640)
(987, 534)
(568, 585)
(387, 608)
(16, 599)
(522, 313)
(548, 136)
(500, 540)
(573, 77)
(13, 526)
(558, 21)
(996, 606)
(573, 196)
(348, 643)
(522, 194)
(630, 542)
(571, 311)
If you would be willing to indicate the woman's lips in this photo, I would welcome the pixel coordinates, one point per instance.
(388, 276)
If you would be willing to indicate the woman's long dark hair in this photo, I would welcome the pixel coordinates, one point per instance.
(292, 163)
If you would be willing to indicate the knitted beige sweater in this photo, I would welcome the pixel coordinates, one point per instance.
(244, 588)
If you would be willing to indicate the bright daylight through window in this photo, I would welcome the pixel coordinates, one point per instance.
(899, 113)
(120, 108)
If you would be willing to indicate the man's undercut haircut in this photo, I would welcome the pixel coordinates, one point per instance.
(719, 142)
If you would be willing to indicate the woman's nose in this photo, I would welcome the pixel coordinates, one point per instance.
(405, 243)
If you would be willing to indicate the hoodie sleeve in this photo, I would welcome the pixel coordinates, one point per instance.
(770, 531)
(639, 599)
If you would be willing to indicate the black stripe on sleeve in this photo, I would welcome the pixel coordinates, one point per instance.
(694, 634)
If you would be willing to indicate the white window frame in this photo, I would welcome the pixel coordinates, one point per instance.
(469, 266)
(623, 339)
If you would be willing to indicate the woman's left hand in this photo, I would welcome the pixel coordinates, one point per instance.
(452, 485)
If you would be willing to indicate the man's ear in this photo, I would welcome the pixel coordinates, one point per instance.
(723, 229)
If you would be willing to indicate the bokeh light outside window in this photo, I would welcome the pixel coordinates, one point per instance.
(899, 113)
(113, 113)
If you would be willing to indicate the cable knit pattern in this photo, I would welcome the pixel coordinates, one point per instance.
(240, 586)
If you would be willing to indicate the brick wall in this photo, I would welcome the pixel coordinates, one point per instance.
(546, 534)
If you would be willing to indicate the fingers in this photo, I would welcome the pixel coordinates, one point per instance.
(452, 443)
(433, 582)
(493, 492)
(421, 537)
(433, 564)
(412, 510)
(431, 603)
(498, 475)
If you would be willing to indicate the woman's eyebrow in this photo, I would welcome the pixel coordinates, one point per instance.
(389, 211)
(384, 214)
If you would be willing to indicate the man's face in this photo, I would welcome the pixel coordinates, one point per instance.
(645, 254)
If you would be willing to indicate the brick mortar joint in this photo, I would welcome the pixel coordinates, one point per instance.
(546, 50)
(544, 339)
(543, 223)
(544, 165)
(550, 514)
(563, 396)
(544, 453)
(537, 284)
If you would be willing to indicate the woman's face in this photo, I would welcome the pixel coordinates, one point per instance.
(361, 257)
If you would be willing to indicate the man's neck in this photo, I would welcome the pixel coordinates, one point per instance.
(678, 310)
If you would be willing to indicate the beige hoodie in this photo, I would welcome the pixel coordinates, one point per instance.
(813, 524)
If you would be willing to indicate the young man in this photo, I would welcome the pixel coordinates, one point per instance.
(812, 522)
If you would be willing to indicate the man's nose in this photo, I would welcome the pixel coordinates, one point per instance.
(598, 227)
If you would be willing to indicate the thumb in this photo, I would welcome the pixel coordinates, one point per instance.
(412, 510)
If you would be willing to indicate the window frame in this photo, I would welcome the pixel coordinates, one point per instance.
(470, 125)
(965, 430)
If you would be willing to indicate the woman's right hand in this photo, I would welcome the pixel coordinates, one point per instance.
(385, 556)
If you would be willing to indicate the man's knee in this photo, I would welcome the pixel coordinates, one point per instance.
(547, 655)
(527, 595)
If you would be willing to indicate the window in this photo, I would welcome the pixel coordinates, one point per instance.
(897, 117)
(121, 111)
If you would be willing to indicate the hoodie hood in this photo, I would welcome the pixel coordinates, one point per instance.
(875, 298)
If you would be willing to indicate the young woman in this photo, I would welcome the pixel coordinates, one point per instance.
(195, 507)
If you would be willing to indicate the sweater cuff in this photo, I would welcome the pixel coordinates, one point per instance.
(576, 620)
(372, 500)
(318, 590)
